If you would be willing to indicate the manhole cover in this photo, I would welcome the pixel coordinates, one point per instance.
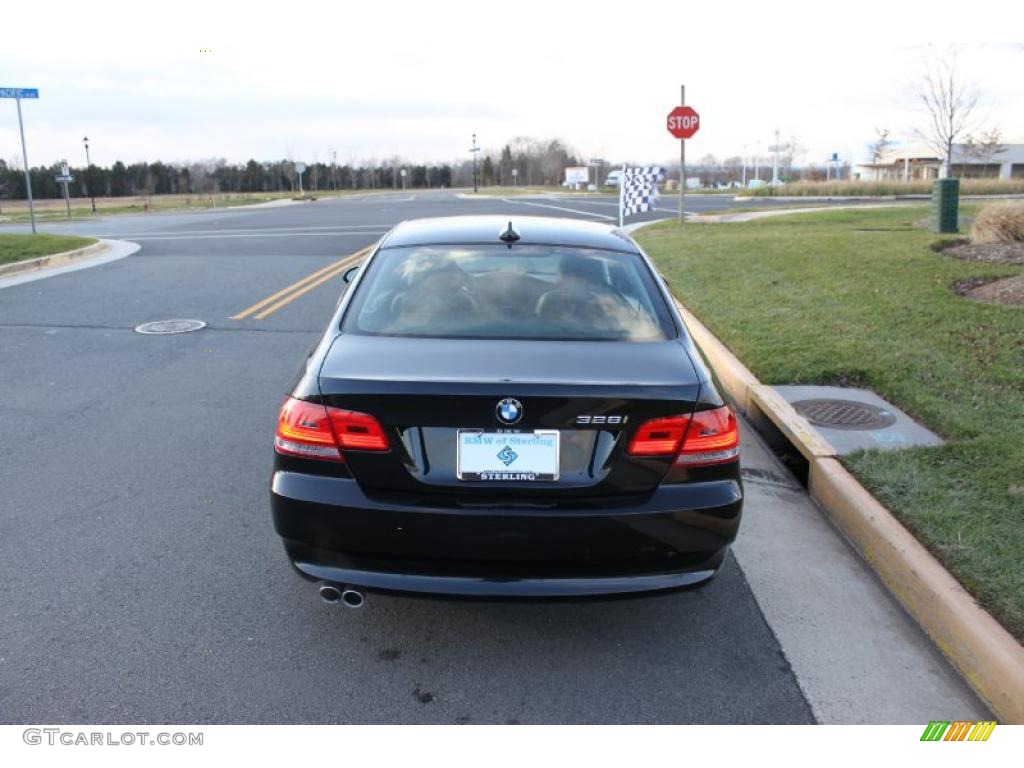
(161, 327)
(844, 414)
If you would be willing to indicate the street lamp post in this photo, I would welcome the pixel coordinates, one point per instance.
(88, 176)
(474, 149)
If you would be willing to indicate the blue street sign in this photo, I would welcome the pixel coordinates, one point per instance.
(19, 93)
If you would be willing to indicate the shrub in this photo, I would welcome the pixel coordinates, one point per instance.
(884, 188)
(999, 223)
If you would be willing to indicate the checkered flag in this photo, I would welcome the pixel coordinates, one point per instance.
(640, 189)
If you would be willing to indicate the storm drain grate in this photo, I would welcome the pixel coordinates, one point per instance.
(844, 414)
(164, 327)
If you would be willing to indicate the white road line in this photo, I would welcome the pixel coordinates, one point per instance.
(230, 230)
(560, 208)
(377, 198)
(585, 202)
(139, 238)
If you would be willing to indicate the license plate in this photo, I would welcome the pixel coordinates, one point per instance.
(507, 456)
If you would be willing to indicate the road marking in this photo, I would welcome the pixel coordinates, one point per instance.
(232, 230)
(271, 235)
(584, 202)
(560, 208)
(302, 291)
(299, 287)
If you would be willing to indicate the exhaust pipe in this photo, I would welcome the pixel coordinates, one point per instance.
(352, 598)
(330, 593)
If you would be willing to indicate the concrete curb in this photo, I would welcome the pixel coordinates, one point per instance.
(54, 260)
(115, 251)
(987, 656)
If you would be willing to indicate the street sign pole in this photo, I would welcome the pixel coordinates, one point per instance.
(683, 122)
(682, 161)
(775, 160)
(28, 178)
(64, 177)
(474, 149)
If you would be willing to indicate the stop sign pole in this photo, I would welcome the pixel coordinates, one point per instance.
(682, 162)
(682, 123)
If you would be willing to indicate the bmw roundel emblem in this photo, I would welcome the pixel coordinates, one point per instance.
(509, 410)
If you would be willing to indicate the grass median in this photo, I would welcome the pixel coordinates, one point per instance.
(20, 247)
(860, 298)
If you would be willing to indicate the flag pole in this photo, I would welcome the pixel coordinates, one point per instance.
(622, 190)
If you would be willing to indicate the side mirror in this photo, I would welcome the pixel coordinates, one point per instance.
(350, 273)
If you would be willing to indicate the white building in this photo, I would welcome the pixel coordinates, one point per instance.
(922, 163)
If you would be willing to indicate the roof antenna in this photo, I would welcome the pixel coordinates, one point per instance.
(509, 236)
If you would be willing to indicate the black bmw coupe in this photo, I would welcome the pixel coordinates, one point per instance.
(505, 409)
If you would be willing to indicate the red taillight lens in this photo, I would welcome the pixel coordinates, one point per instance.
(304, 429)
(314, 431)
(706, 437)
(358, 431)
(712, 438)
(659, 437)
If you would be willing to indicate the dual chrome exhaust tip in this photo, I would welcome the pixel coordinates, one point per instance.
(350, 597)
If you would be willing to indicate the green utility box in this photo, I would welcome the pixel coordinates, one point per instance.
(946, 202)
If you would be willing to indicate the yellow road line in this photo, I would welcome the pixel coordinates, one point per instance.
(339, 269)
(298, 285)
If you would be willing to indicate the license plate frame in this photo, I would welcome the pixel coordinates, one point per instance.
(511, 441)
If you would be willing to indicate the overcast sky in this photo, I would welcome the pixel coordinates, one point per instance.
(378, 79)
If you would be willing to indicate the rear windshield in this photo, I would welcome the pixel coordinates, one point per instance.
(496, 292)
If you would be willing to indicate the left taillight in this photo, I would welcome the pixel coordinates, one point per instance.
(315, 431)
(700, 439)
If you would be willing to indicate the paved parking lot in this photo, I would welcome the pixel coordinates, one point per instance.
(142, 580)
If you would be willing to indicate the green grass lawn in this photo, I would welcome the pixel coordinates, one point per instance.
(859, 297)
(18, 247)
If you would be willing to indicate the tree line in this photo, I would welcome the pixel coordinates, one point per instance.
(534, 162)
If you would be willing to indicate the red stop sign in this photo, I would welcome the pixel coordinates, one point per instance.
(683, 122)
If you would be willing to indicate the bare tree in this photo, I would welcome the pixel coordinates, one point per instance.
(880, 145)
(794, 152)
(949, 102)
(985, 148)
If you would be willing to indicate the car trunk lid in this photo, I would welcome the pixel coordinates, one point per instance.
(424, 391)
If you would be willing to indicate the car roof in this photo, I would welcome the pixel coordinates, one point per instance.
(532, 230)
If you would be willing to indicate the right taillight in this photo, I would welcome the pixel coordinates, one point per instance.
(702, 438)
(316, 431)
(713, 437)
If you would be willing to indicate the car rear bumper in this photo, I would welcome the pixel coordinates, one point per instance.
(675, 537)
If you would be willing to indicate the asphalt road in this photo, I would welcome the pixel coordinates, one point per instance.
(141, 580)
